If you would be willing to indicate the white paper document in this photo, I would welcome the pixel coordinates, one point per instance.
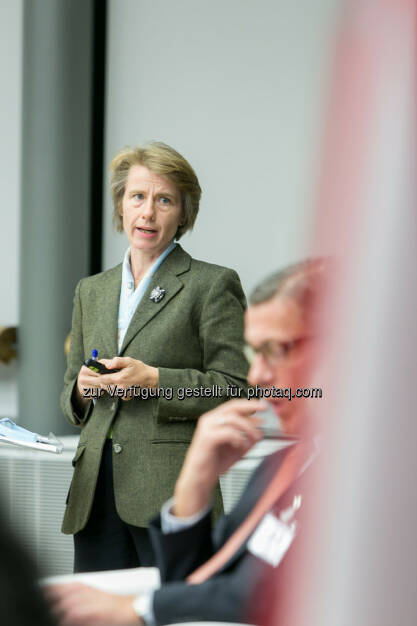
(12, 434)
(127, 582)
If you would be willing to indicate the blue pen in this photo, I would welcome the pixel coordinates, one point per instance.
(92, 363)
(95, 366)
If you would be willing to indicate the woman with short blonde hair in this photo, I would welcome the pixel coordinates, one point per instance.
(162, 321)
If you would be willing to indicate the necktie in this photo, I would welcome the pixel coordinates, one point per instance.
(285, 476)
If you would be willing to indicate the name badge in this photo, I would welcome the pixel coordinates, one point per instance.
(271, 539)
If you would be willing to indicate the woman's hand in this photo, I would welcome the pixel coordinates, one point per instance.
(222, 437)
(132, 373)
(87, 379)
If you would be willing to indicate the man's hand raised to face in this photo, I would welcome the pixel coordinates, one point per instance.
(222, 437)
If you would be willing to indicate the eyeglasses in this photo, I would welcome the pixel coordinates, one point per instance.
(275, 352)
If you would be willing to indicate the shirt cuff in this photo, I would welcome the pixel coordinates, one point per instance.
(143, 607)
(170, 523)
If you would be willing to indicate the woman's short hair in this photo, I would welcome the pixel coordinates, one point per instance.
(161, 159)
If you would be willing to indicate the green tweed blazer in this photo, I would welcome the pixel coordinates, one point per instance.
(194, 335)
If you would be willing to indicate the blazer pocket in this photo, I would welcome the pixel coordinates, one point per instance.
(185, 442)
(78, 454)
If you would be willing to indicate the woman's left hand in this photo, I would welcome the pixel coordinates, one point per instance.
(132, 372)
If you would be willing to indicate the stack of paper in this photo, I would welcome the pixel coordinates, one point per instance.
(123, 581)
(15, 435)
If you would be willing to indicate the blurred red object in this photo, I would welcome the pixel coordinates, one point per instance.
(354, 560)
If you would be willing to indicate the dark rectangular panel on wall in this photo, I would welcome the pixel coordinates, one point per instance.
(97, 133)
(56, 188)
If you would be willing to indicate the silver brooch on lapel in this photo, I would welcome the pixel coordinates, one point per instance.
(157, 294)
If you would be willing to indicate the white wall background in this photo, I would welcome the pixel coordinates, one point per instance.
(11, 30)
(238, 87)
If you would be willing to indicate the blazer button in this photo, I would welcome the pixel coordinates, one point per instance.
(117, 448)
(113, 406)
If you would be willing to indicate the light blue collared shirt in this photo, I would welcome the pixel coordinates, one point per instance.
(170, 523)
(129, 296)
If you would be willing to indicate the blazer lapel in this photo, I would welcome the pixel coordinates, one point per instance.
(166, 277)
(109, 310)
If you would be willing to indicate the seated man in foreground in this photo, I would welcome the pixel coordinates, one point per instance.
(209, 576)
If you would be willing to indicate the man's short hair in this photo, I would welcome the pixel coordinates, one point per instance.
(160, 159)
(300, 281)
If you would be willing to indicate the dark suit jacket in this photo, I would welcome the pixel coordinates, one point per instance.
(229, 595)
(194, 335)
